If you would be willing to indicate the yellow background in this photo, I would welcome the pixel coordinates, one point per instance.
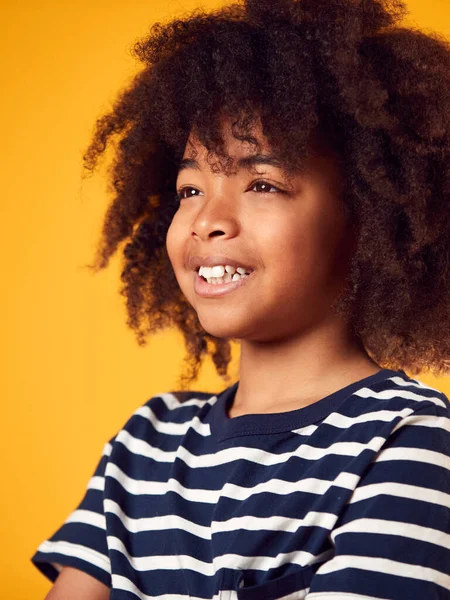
(72, 370)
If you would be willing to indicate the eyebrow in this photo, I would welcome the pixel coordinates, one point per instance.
(246, 162)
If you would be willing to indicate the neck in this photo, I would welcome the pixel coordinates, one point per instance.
(287, 374)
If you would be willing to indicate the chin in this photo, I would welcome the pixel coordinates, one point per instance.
(224, 330)
(224, 333)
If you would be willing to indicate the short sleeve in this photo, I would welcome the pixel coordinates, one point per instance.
(392, 541)
(81, 541)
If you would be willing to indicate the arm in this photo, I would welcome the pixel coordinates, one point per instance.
(73, 584)
(80, 543)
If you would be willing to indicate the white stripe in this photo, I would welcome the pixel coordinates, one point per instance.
(297, 595)
(366, 392)
(175, 562)
(425, 421)
(384, 565)
(107, 449)
(142, 448)
(400, 490)
(88, 517)
(385, 527)
(342, 596)
(429, 457)
(171, 428)
(170, 562)
(336, 419)
(255, 455)
(169, 399)
(162, 523)
(264, 563)
(96, 483)
(276, 486)
(308, 430)
(275, 523)
(172, 402)
(411, 382)
(338, 448)
(77, 551)
(139, 487)
(123, 583)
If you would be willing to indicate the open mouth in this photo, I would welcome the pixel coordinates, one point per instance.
(218, 286)
(227, 278)
(229, 274)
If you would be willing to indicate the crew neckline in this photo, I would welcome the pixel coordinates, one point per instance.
(224, 427)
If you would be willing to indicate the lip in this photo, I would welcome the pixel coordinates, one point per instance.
(217, 290)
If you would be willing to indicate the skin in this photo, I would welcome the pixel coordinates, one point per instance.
(294, 349)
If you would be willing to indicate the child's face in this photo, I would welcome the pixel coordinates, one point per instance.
(297, 244)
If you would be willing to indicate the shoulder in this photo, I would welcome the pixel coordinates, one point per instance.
(168, 413)
(397, 410)
(400, 392)
(174, 406)
(415, 422)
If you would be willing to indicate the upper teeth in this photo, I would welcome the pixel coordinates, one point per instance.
(219, 271)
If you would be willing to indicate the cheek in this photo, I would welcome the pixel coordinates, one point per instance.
(304, 251)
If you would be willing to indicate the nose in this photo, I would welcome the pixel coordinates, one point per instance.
(216, 217)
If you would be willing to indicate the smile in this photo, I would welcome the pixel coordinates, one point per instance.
(215, 290)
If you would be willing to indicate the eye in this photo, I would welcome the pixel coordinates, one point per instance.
(265, 184)
(180, 194)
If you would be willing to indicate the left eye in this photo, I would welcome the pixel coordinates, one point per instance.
(265, 184)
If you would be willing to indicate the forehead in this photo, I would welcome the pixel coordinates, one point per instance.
(239, 154)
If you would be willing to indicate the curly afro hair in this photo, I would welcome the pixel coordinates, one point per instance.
(344, 70)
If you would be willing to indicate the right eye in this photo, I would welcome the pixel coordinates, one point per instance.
(182, 196)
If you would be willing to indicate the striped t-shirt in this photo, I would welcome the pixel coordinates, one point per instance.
(347, 498)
